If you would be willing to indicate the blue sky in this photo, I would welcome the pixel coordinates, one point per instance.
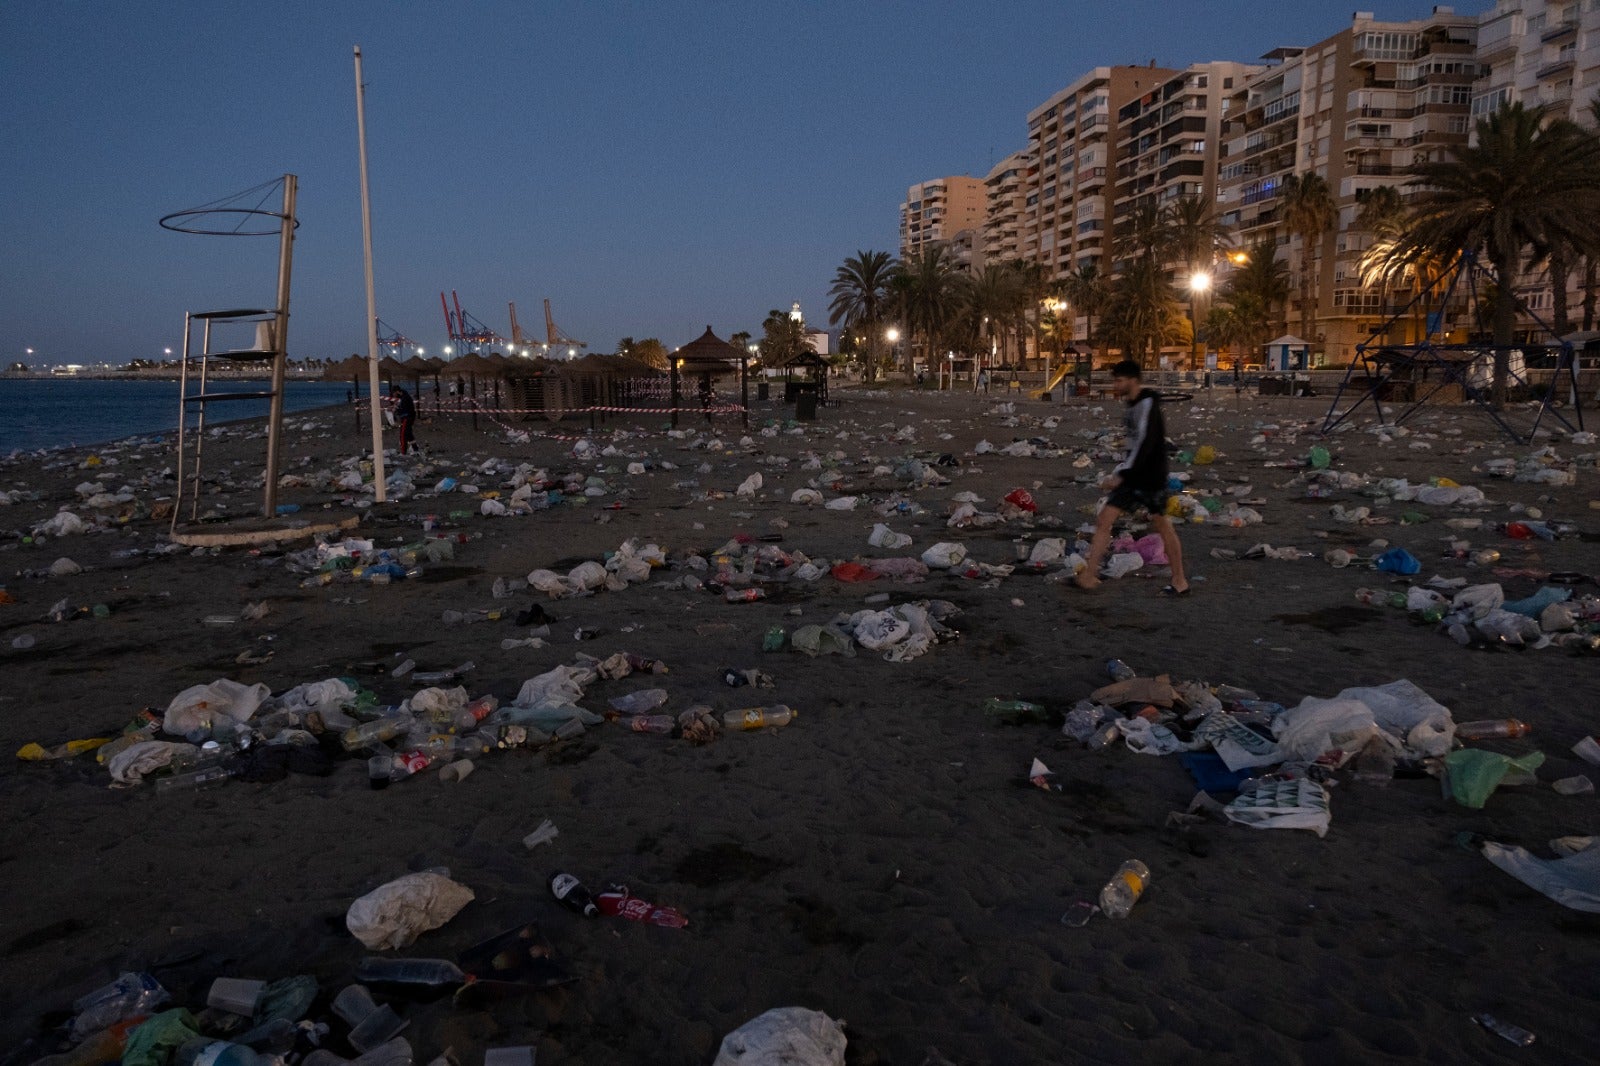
(649, 167)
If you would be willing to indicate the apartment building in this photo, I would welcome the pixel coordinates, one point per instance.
(1358, 108)
(1544, 53)
(1170, 137)
(1005, 195)
(935, 211)
(1068, 188)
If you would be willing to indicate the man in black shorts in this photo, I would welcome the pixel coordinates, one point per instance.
(1140, 481)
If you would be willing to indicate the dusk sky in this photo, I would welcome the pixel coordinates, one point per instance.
(649, 167)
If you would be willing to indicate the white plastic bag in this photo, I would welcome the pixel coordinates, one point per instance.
(395, 914)
(749, 486)
(1405, 711)
(1301, 804)
(197, 707)
(785, 1036)
(884, 537)
(1573, 881)
(1124, 563)
(944, 555)
(1317, 726)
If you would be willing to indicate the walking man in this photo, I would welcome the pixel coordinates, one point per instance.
(1139, 482)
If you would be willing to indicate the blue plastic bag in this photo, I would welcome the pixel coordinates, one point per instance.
(1398, 561)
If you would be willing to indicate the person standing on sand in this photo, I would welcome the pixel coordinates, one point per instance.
(983, 380)
(1139, 482)
(405, 415)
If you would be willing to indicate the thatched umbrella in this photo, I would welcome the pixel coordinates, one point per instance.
(710, 356)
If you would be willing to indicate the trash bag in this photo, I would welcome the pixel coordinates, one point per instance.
(1472, 775)
(785, 1036)
(1398, 561)
(1047, 550)
(884, 537)
(395, 914)
(1123, 563)
(1572, 881)
(1317, 726)
(749, 486)
(1479, 600)
(1403, 710)
(1301, 804)
(875, 630)
(944, 555)
(129, 765)
(156, 1042)
(318, 696)
(196, 707)
(822, 640)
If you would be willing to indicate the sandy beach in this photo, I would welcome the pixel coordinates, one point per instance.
(884, 858)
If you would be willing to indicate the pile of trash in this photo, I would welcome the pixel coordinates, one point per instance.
(1481, 616)
(226, 730)
(903, 632)
(353, 559)
(1280, 762)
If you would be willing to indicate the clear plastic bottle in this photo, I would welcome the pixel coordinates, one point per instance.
(1492, 728)
(759, 717)
(744, 595)
(476, 711)
(422, 973)
(376, 732)
(1015, 711)
(653, 723)
(1124, 889)
(210, 775)
(1505, 1030)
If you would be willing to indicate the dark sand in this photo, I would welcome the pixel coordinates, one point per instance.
(883, 859)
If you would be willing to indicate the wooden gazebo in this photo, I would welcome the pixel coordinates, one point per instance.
(808, 369)
(706, 357)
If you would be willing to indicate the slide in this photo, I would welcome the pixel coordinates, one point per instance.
(1055, 382)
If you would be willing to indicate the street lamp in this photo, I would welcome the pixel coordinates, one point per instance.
(1199, 285)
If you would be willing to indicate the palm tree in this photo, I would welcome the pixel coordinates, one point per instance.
(1144, 236)
(1032, 287)
(1523, 182)
(859, 289)
(1088, 292)
(925, 291)
(991, 301)
(1309, 212)
(1194, 235)
(1143, 313)
(1254, 293)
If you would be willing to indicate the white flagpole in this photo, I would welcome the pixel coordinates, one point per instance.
(372, 300)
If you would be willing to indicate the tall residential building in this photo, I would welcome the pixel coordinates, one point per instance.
(1170, 137)
(1005, 196)
(937, 210)
(1357, 108)
(1542, 53)
(1073, 145)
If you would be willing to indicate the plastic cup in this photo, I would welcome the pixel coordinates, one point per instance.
(1588, 749)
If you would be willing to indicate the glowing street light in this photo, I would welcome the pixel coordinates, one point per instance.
(447, 349)
(1199, 282)
(1199, 285)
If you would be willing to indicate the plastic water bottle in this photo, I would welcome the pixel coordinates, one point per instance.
(759, 717)
(1490, 729)
(1013, 711)
(1505, 1030)
(747, 595)
(375, 732)
(1118, 670)
(1124, 889)
(573, 896)
(421, 973)
(653, 723)
(190, 781)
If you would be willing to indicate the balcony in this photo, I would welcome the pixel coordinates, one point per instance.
(1561, 66)
(1562, 29)
(1494, 51)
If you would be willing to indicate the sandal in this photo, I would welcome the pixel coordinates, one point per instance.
(1174, 592)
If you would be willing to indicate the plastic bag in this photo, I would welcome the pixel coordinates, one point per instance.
(1317, 726)
(641, 702)
(944, 555)
(809, 497)
(129, 765)
(395, 914)
(875, 630)
(785, 1036)
(1572, 881)
(1301, 804)
(1047, 550)
(1405, 711)
(884, 537)
(156, 1042)
(822, 640)
(1479, 600)
(1123, 563)
(749, 486)
(197, 707)
(129, 995)
(1398, 561)
(1472, 775)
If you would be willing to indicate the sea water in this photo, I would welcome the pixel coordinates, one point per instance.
(54, 412)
